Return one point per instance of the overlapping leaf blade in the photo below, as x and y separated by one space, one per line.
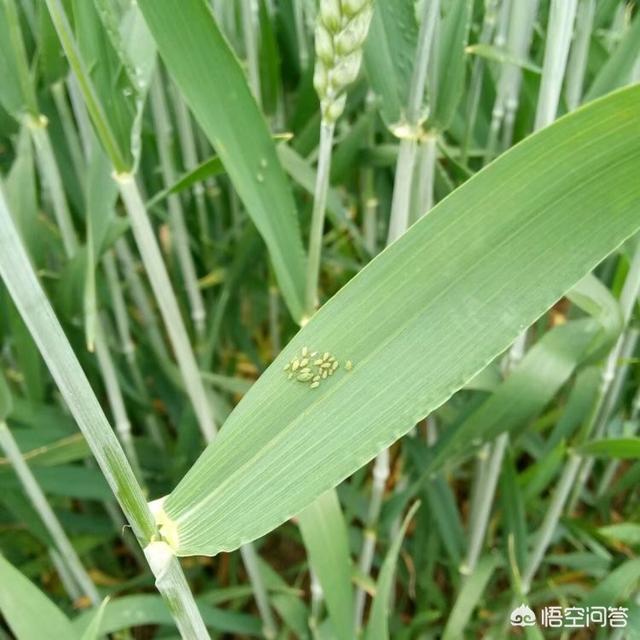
214 86
325 536
451 63
29 612
389 53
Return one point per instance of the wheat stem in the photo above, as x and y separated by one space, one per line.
561 19
73 591
251 564
426 174
521 19
190 159
401 202
341 30
180 234
301 33
365 561
126 343
140 298
577 64
51 176
318 215
251 47
475 85
550 522
165 297
485 495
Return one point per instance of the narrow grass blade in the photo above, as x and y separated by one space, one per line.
468 599
617 586
214 86
514 517
109 114
442 506
47 515
451 61
139 610
29 613
92 632
324 532
503 56
206 169
617 69
624 448
378 627
6 400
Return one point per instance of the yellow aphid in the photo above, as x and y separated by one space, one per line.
295 365
314 385
348 365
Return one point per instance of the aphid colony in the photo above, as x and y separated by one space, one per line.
313 368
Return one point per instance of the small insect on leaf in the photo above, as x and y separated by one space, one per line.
348 365
307 369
